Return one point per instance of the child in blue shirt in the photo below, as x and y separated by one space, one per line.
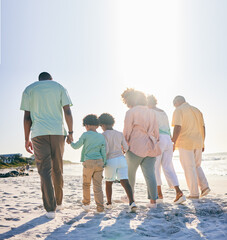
93 157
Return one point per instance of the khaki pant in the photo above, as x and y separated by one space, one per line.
195 177
93 169
49 151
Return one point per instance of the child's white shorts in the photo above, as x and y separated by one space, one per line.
116 169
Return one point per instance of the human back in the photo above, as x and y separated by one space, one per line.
140 126
115 140
163 122
46 99
191 121
93 144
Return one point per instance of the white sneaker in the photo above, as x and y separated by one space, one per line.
159 200
132 207
109 206
50 215
60 207
180 200
86 207
151 205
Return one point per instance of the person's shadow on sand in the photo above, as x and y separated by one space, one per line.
167 221
25 227
208 211
121 229
71 230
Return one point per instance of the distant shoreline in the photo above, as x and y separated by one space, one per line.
21 164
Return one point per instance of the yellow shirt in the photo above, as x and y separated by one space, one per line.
191 121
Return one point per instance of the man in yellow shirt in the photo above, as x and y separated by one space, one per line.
188 137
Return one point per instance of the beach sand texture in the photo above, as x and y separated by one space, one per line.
22 215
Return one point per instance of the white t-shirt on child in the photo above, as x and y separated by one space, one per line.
115 141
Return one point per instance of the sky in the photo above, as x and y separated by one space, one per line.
97 49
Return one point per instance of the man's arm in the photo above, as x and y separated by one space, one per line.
204 135
69 122
204 132
27 129
176 133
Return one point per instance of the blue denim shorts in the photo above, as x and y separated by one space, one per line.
116 169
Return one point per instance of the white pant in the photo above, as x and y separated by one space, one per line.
195 177
165 160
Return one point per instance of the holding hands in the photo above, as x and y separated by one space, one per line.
69 138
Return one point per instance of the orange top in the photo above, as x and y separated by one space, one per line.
191 121
141 131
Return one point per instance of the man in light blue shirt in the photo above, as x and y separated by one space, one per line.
43 102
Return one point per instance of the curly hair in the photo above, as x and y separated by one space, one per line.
132 97
151 101
106 119
91 119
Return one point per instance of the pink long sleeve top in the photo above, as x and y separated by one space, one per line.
141 131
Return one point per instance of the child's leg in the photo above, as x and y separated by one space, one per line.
97 185
125 184
109 191
87 175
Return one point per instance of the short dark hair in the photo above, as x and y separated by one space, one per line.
44 76
151 100
91 119
106 119
132 97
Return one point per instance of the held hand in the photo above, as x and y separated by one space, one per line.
203 149
28 146
69 138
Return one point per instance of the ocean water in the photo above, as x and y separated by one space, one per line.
214 164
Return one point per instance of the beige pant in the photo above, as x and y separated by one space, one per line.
93 169
49 151
195 177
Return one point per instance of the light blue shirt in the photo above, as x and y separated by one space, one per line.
44 100
94 146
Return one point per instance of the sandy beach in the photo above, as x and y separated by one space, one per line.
22 215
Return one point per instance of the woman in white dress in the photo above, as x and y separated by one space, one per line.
165 159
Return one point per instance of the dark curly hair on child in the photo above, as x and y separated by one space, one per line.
106 119
91 119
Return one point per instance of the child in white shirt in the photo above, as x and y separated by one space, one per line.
116 166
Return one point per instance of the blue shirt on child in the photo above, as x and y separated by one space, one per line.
94 146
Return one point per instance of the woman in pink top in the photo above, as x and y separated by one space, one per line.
141 133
